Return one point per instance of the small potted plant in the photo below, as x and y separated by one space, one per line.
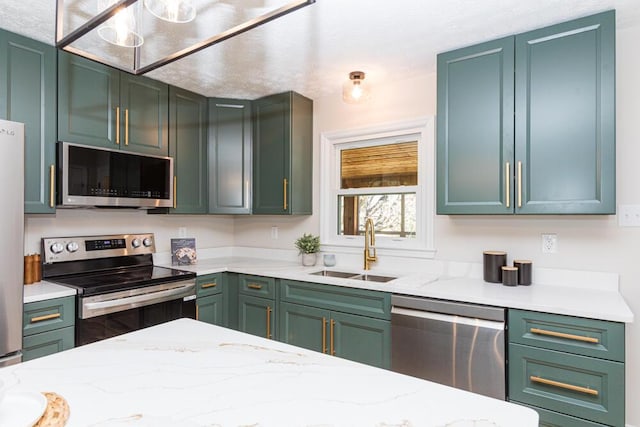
309 246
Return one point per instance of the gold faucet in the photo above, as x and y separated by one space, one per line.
369 243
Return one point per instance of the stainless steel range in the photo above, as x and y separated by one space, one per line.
119 289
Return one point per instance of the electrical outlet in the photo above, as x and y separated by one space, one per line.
182 231
629 215
549 243
274 233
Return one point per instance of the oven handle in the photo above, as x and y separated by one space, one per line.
93 309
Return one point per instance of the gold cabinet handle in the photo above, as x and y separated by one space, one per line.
565 386
582 338
324 335
126 126
507 183
519 184
197 312
175 192
209 285
45 317
331 340
254 286
52 186
284 191
269 310
117 125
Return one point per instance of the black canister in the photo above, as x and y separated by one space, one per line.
525 268
510 276
493 261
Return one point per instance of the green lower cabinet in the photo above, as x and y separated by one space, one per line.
358 338
210 309
362 339
256 316
554 419
570 384
46 343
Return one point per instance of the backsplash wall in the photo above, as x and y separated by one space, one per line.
210 231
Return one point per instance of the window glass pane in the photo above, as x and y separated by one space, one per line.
379 166
393 214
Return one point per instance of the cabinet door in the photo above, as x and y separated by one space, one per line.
306 327
144 115
230 142
256 316
188 147
88 99
46 343
28 95
361 339
475 129
565 121
210 309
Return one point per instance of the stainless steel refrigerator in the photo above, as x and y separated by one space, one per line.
11 240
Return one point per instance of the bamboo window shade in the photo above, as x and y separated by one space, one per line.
380 166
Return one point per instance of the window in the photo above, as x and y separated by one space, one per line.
383 173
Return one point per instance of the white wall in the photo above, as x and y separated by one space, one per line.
210 231
592 243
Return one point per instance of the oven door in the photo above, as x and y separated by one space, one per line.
109 315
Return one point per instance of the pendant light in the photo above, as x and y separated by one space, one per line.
355 90
121 29
176 11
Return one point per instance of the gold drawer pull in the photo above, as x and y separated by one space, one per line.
52 186
507 182
269 310
519 184
563 335
284 191
209 285
45 317
117 125
324 335
331 342
254 286
566 386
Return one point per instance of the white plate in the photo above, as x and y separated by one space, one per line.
22 409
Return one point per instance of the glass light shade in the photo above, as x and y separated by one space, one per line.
121 29
356 90
177 11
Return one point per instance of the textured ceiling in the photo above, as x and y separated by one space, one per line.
312 50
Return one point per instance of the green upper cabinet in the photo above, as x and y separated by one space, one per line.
28 95
526 124
230 139
188 147
104 107
283 155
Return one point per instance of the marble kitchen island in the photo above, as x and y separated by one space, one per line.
189 373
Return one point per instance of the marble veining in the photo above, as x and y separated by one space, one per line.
189 373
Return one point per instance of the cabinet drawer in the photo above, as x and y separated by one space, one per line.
42 316
209 284
257 285
588 337
567 383
556 419
347 300
46 343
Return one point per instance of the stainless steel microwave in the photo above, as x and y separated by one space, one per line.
92 176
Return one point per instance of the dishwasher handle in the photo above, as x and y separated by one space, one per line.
448 318
464 309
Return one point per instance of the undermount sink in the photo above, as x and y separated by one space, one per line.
356 276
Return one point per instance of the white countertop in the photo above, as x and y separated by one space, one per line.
44 290
189 373
567 295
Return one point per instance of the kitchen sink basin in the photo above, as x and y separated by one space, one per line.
356 276
331 273
373 278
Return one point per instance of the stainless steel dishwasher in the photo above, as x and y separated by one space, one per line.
456 344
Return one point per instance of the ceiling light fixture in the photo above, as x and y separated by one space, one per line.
141 39
355 90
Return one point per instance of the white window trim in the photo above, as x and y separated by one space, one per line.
422 130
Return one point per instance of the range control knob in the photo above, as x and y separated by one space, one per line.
147 242
135 243
72 247
57 247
